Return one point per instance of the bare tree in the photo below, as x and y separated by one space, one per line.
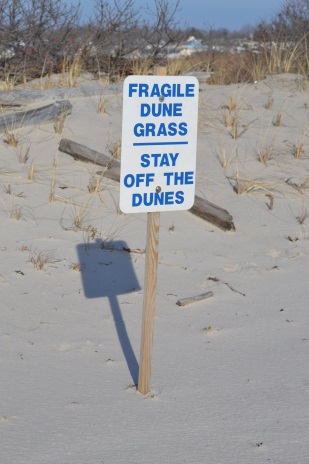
162 30
289 23
292 20
287 37
39 31
11 22
118 32
36 34
111 35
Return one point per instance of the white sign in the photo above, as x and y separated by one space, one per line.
158 154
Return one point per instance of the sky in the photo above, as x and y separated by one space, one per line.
205 14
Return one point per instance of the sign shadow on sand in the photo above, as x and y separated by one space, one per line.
107 272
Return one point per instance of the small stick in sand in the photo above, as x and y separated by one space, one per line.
193 299
271 201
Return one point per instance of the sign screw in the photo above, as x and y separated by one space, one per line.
161 98
158 189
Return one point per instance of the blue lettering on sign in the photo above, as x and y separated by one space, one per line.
140 179
152 130
158 198
132 89
161 109
159 159
165 90
179 178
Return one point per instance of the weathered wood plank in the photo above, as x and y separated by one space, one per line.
83 153
212 213
80 152
42 115
204 209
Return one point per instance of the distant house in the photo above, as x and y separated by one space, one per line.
6 53
192 45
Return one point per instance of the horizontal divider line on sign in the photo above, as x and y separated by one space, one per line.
158 143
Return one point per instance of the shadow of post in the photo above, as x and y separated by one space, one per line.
108 272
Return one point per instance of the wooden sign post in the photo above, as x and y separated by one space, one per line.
150 290
158 159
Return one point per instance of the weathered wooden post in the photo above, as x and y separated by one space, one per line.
150 290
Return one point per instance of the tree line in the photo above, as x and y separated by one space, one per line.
38 36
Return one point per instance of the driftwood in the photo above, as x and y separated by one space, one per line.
27 97
80 152
212 213
201 208
40 115
193 299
